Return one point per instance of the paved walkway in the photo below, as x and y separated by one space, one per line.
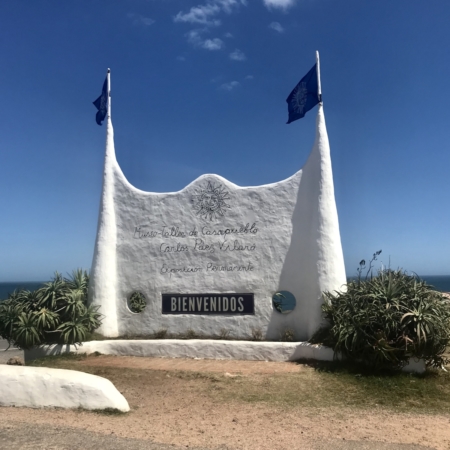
22 436
6 354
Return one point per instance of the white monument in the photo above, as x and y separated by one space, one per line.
211 257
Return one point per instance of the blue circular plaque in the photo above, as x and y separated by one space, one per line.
284 302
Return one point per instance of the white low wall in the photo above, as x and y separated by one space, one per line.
204 349
38 387
195 348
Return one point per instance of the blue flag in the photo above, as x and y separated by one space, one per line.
304 96
102 104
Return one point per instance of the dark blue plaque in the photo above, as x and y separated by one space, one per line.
208 304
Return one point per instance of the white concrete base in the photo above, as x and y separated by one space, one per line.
415 366
203 349
195 348
38 387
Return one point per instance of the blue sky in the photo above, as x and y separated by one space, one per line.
200 87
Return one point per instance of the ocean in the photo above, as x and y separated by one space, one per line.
9 287
440 283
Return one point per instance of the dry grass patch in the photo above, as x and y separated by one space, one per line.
320 386
343 387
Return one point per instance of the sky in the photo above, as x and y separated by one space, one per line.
200 87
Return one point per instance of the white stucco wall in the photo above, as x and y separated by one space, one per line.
156 243
38 387
204 348
195 348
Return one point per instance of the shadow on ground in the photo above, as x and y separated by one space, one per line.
20 436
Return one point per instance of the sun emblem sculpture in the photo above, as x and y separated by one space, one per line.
299 98
210 202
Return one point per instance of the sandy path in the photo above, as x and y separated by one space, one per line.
168 409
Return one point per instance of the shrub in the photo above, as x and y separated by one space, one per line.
257 334
224 334
386 320
56 313
287 335
190 334
160 334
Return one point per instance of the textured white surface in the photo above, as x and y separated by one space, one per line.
156 243
196 348
38 387
102 286
205 349
415 366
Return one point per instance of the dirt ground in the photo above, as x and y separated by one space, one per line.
181 403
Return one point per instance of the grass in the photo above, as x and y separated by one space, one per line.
342 385
108 412
318 385
67 361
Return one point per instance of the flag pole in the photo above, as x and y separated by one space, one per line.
109 93
319 88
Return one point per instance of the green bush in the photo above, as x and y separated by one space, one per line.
386 320
56 313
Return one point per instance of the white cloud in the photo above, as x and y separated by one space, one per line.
277 27
238 55
147 21
195 38
230 86
228 5
280 4
212 44
181 58
249 77
205 14
202 14
140 20
228 35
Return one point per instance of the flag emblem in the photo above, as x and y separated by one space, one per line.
299 98
304 96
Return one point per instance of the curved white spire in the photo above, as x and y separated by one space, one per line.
103 276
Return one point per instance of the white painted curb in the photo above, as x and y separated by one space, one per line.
203 349
195 348
38 387
415 366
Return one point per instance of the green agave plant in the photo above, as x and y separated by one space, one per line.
26 330
56 313
78 281
9 316
73 332
387 320
73 304
46 320
137 302
91 317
